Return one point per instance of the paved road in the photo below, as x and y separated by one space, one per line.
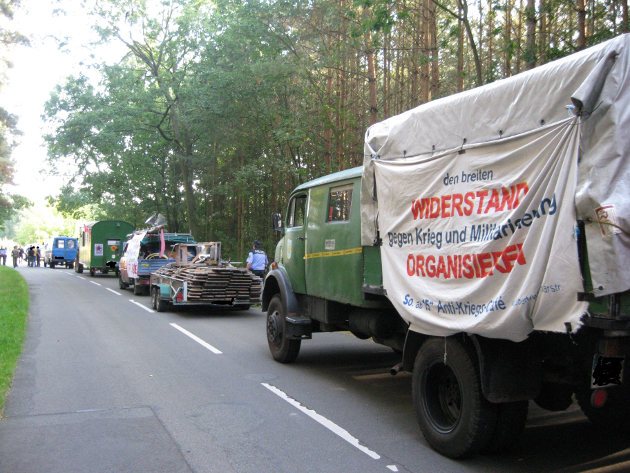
105 384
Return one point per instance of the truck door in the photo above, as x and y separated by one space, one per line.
293 252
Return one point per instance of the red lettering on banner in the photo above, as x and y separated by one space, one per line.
460 205
469 265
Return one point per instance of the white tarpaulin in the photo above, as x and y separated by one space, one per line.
132 253
486 244
589 90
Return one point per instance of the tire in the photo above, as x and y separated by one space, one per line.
92 271
612 416
158 304
282 349
137 290
511 418
455 418
52 265
122 284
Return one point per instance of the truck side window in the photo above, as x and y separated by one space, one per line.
297 211
339 202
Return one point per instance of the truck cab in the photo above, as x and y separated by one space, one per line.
322 279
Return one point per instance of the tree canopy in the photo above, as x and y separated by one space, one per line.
220 108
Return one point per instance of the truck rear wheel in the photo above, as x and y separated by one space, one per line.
454 417
282 349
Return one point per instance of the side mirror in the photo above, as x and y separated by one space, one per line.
276 222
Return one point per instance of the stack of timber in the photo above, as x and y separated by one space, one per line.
210 283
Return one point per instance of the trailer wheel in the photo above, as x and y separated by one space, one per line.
614 414
455 418
78 268
159 304
511 418
137 289
282 349
52 265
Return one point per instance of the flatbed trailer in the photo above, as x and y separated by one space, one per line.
203 281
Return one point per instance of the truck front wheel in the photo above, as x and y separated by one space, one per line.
455 418
282 349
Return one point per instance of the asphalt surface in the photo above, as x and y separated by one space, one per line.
105 384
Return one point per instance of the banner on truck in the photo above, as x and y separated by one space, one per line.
133 253
484 241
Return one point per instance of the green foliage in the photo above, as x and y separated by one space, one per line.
220 108
13 318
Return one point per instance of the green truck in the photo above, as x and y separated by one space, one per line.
485 239
100 246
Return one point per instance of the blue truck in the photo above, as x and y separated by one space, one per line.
60 250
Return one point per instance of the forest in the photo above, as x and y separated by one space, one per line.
220 108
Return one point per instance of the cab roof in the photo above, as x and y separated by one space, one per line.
335 177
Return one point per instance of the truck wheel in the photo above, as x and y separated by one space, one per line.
159 304
52 265
79 268
511 418
122 284
455 418
137 289
282 349
614 414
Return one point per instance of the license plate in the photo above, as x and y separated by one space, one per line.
607 371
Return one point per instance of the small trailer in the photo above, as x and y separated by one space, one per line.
199 277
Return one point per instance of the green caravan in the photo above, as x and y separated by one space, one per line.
485 240
100 246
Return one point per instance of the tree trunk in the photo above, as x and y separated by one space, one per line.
530 19
581 24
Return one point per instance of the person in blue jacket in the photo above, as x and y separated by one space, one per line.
257 260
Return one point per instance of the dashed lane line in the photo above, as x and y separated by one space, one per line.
142 306
329 424
201 342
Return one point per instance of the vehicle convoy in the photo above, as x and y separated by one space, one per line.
199 277
60 250
486 238
144 252
100 246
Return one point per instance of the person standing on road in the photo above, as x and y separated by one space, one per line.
15 254
257 260
3 255
31 256
38 255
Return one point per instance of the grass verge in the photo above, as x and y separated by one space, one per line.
13 315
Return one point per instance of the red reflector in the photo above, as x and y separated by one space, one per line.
274 265
599 398
180 297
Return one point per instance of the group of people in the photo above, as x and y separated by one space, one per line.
32 255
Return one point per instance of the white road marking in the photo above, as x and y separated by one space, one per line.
214 350
81 277
115 292
95 283
392 467
330 425
141 306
